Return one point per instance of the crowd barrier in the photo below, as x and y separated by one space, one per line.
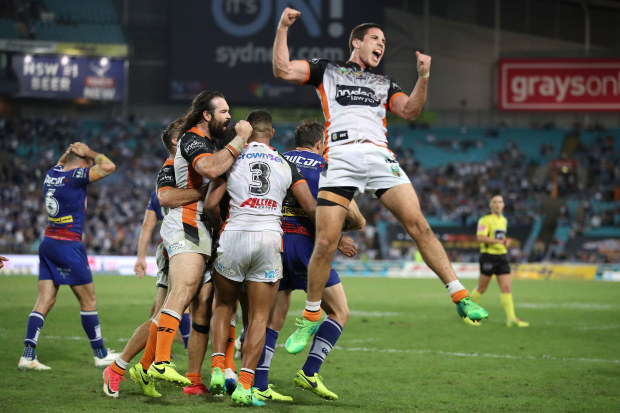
123 265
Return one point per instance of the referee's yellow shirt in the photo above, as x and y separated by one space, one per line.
496 227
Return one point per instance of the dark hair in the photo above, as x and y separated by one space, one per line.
261 121
308 133
172 131
203 101
360 31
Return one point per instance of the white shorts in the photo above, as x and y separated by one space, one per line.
250 255
365 166
162 266
177 241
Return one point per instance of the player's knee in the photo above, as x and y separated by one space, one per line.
200 328
325 247
342 315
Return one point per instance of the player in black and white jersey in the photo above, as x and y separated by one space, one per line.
184 230
355 101
250 246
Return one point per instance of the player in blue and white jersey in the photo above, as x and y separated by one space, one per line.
62 256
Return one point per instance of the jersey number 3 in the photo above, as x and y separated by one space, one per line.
260 178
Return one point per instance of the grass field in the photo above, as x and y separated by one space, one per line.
404 349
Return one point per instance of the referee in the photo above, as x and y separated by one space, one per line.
491 233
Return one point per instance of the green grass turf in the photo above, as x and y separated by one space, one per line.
404 349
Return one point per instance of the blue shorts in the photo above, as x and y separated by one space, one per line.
63 262
297 252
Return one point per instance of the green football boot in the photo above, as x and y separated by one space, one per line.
314 384
298 340
165 370
243 397
270 394
140 377
467 307
217 383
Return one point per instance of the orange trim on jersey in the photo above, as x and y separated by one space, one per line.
198 157
308 76
169 162
164 187
197 132
385 122
298 182
392 98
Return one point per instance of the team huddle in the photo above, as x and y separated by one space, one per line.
244 224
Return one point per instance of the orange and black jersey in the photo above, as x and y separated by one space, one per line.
192 146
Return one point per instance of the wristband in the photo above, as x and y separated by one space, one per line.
232 151
423 76
236 146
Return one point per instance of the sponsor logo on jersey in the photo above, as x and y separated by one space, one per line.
259 203
270 275
61 220
59 181
264 156
293 212
195 146
78 173
339 136
356 95
303 161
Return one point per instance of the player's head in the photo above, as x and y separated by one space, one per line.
496 204
171 134
262 124
75 160
367 44
311 135
208 107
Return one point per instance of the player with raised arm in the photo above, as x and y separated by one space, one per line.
355 101
167 196
298 245
184 230
250 247
62 256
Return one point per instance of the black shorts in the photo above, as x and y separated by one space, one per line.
494 264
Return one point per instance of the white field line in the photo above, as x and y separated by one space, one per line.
474 355
420 351
575 306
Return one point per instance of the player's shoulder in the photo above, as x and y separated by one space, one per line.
192 143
